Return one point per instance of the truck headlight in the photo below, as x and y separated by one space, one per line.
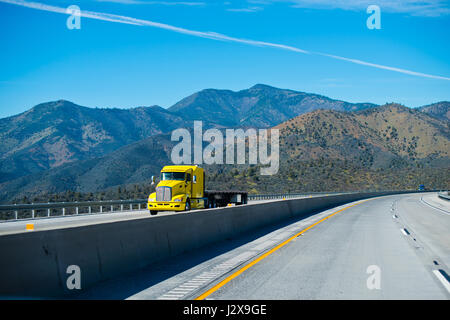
178 200
151 199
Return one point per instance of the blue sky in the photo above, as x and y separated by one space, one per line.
222 44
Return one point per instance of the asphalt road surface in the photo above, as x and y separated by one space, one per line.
391 247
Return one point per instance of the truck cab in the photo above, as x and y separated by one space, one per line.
181 188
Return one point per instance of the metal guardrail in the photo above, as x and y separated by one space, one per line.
444 195
289 195
52 209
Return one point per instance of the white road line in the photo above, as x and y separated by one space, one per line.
226 264
177 293
212 273
224 268
179 290
168 295
182 293
442 279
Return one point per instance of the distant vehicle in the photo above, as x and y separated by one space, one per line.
421 187
182 188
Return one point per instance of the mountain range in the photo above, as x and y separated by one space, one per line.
60 146
260 106
440 110
373 137
54 133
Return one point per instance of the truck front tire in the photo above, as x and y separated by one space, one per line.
153 212
188 205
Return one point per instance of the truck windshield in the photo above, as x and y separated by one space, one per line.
172 176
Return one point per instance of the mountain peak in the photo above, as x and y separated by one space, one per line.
261 86
54 104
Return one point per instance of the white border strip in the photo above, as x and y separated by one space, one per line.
442 279
431 206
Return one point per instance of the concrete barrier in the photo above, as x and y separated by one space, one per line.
444 195
34 264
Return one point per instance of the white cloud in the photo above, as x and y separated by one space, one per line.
249 9
164 3
411 7
210 35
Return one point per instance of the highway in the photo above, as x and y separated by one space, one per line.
71 221
390 247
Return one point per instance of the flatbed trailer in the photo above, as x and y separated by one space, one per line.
223 198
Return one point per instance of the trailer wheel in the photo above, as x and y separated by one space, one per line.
153 212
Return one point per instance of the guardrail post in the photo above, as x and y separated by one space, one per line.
64 211
121 207
48 212
90 209
32 213
112 208
139 206
101 209
76 210
131 206
16 214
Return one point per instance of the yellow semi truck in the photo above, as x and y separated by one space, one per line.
182 188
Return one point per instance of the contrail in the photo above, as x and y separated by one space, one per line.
379 66
129 20
209 35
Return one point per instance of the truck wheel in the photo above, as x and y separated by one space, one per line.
188 205
153 212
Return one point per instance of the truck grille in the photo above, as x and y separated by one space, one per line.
163 193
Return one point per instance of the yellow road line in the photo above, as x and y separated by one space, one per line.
268 253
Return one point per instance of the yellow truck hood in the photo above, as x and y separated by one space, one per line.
178 187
